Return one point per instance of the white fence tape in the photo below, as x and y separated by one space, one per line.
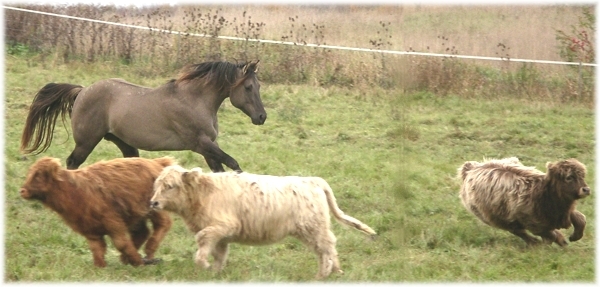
308 44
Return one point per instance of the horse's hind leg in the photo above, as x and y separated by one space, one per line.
86 140
127 150
80 153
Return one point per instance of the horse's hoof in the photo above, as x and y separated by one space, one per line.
153 261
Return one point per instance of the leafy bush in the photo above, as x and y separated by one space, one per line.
17 49
577 45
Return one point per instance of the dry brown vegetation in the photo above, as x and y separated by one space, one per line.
528 32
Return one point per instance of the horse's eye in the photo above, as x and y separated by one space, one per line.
248 88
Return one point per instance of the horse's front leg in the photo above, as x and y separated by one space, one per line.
214 156
214 165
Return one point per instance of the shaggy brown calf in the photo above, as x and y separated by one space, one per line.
106 198
221 208
507 195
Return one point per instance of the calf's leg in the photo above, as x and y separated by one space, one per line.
98 247
328 256
522 233
207 239
129 254
161 223
553 236
322 242
518 229
559 238
578 220
139 234
220 254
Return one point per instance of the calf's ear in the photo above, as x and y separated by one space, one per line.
165 161
551 170
186 177
194 177
50 168
550 166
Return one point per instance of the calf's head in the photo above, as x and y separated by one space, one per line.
41 179
567 177
170 189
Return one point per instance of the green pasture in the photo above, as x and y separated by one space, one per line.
390 156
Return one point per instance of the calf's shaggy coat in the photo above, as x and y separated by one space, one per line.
508 195
106 198
221 208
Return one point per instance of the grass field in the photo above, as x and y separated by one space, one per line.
390 157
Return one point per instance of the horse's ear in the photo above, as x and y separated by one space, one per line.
253 67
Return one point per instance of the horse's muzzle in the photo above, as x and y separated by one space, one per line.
260 119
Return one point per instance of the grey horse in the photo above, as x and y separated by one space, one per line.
179 115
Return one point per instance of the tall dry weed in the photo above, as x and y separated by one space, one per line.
410 28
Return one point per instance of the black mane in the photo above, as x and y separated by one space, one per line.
221 74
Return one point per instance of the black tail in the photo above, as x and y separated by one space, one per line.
50 102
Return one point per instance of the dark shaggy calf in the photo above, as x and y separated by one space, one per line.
507 195
106 198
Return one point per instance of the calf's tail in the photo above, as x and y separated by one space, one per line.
165 161
342 217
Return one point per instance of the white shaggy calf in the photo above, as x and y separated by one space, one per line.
226 207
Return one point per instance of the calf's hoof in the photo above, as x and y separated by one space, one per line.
562 243
201 261
575 237
535 242
152 261
132 261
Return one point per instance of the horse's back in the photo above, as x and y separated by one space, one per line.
103 91
121 108
101 97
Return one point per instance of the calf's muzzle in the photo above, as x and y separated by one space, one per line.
154 204
585 191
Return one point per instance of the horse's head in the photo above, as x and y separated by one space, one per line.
245 95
